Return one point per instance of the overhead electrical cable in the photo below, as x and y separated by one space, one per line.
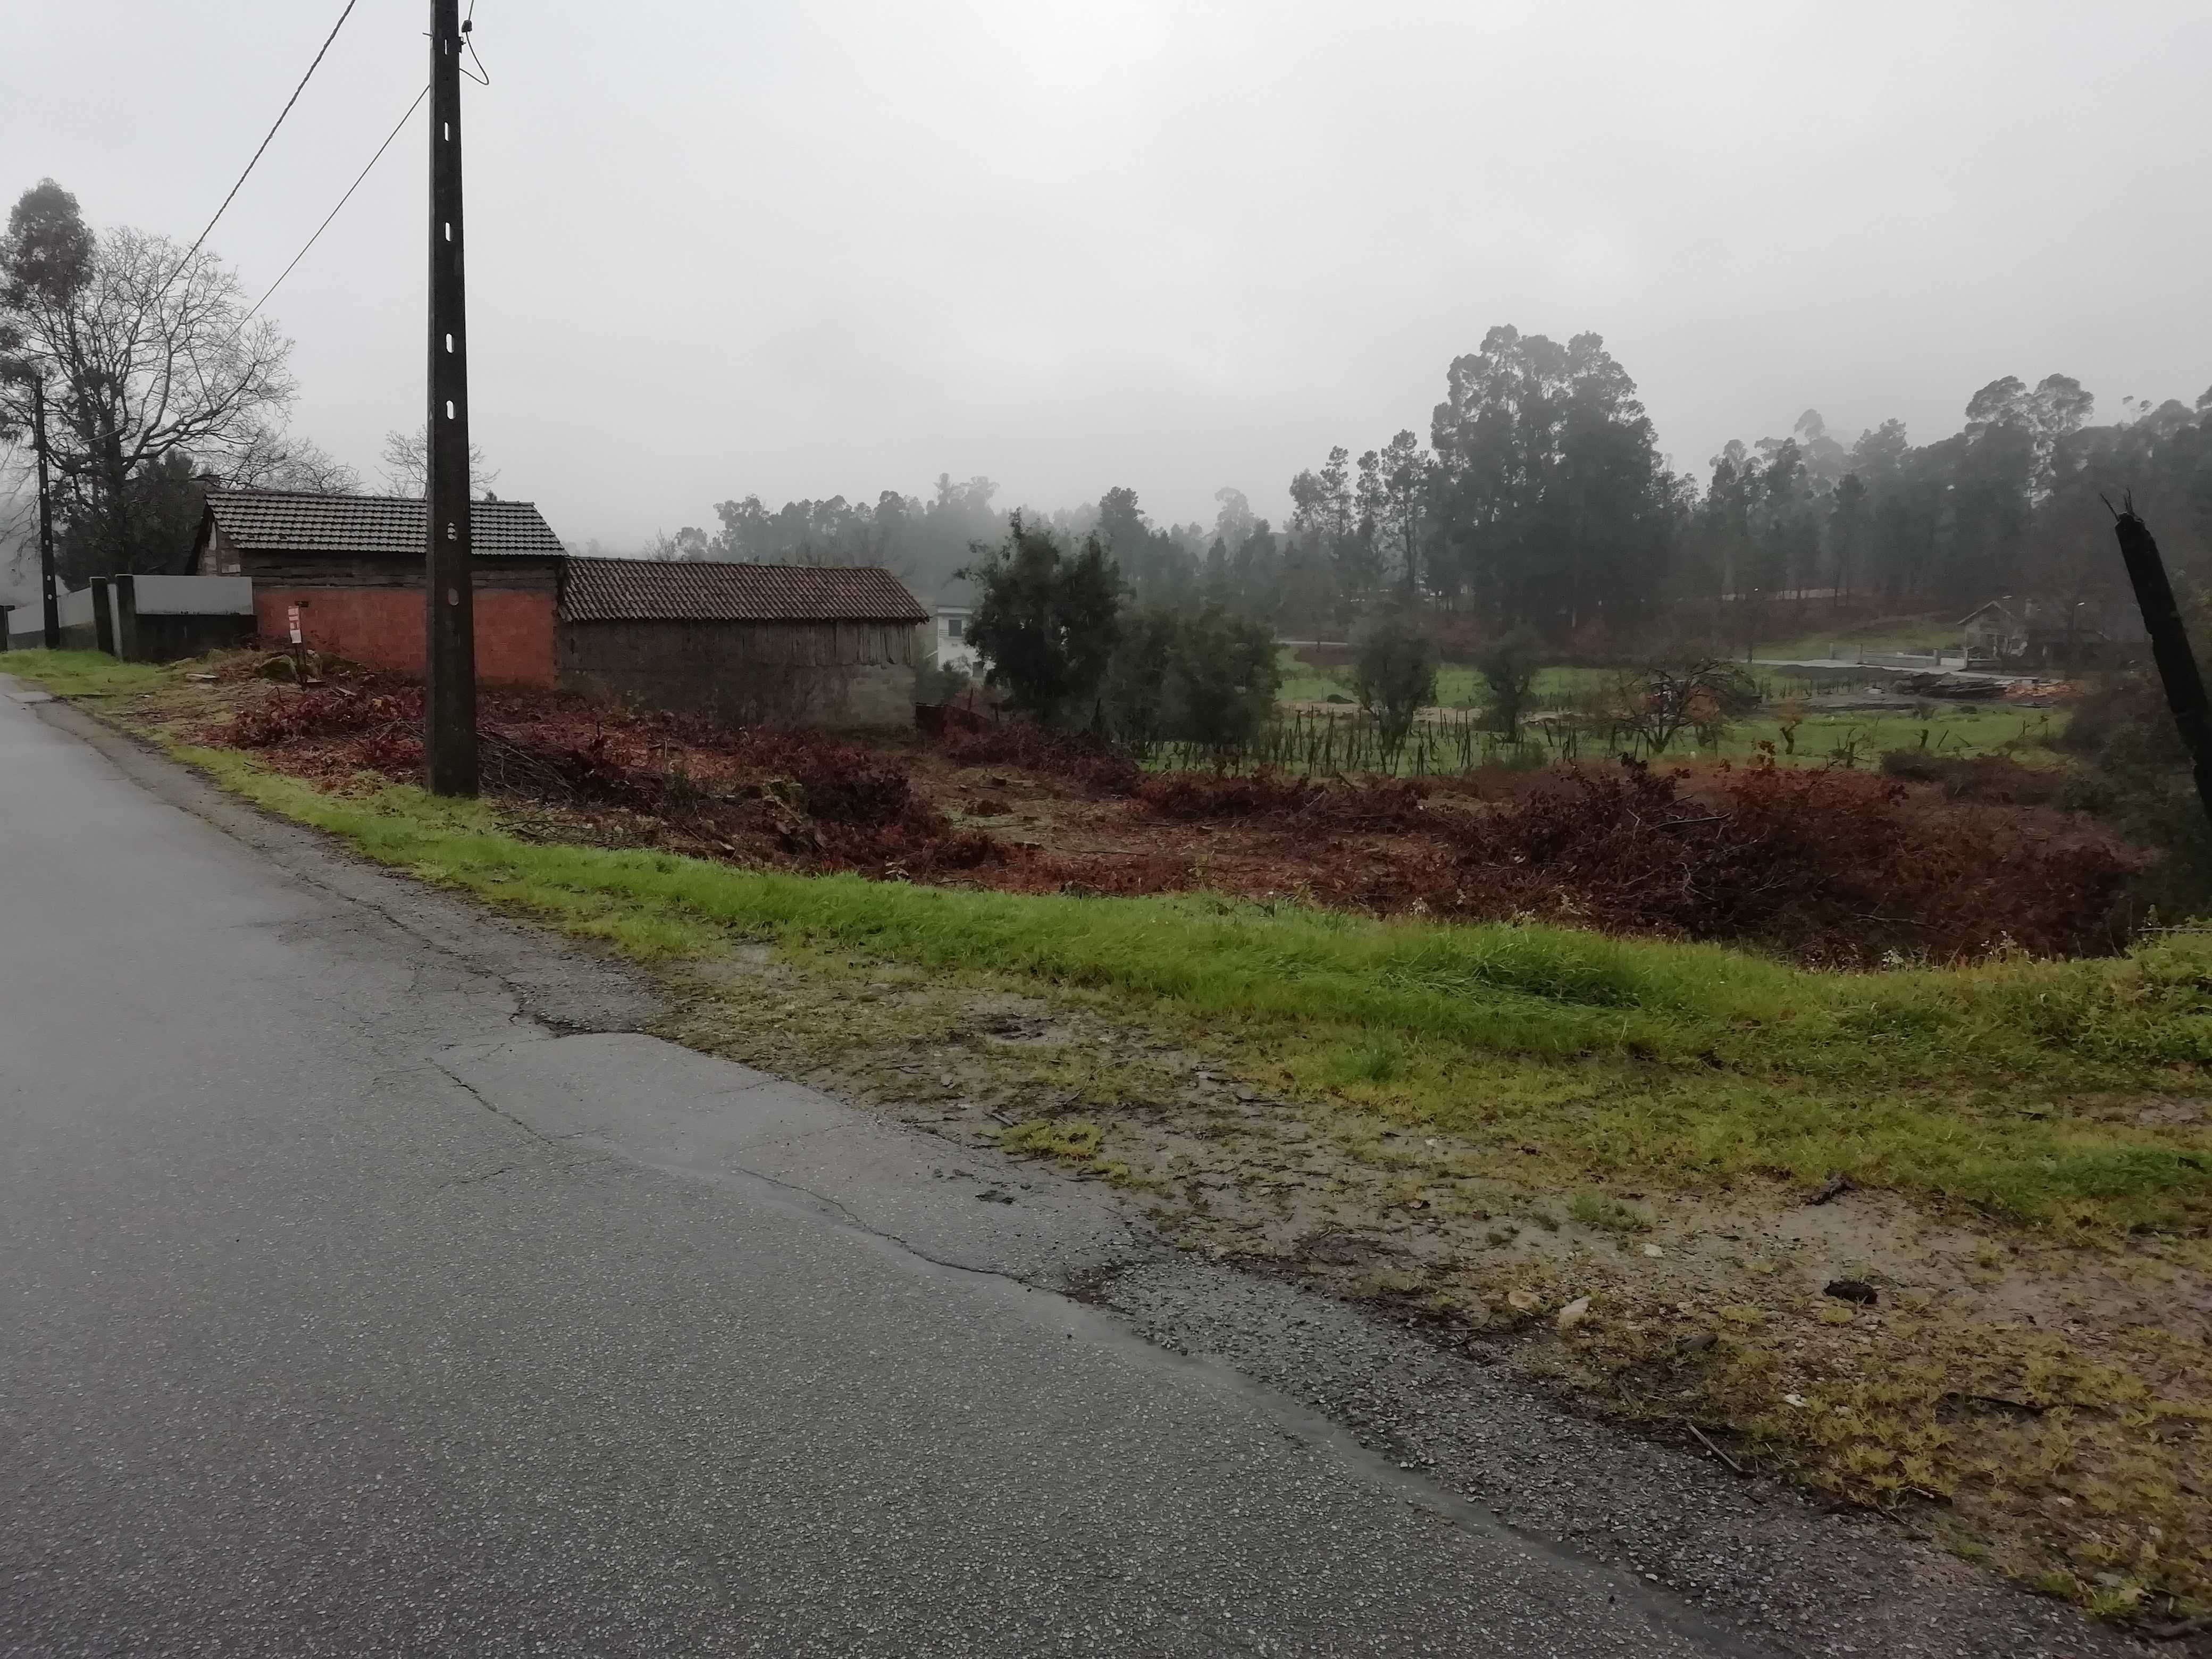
258 154
333 213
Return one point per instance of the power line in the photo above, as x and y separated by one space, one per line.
482 76
333 213
251 164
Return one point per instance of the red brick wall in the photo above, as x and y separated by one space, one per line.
382 627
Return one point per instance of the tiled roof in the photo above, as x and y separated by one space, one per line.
652 590
372 527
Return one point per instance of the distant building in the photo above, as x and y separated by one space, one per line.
954 647
1995 632
2056 634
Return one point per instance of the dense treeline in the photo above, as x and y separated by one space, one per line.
2013 503
928 540
1540 503
1543 503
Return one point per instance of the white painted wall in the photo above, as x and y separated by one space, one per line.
194 596
953 650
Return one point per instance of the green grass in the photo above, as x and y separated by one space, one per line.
1302 683
1694 1063
1458 686
1951 732
1500 987
82 673
1917 633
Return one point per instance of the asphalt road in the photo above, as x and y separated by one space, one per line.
359 1297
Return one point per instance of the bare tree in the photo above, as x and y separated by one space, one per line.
18 519
146 355
300 464
687 546
406 462
1661 700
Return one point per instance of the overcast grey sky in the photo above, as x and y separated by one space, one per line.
809 246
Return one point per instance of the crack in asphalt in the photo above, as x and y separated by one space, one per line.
1302 1426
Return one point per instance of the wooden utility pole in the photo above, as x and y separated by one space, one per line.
449 681
48 589
2169 645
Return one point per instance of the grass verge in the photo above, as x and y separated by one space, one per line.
1633 1059
85 673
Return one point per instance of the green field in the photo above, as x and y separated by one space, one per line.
1962 734
1914 633
1953 730
1458 686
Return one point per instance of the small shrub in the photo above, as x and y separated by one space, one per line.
1660 701
1136 694
1509 665
939 684
1224 672
2130 713
1997 779
1393 673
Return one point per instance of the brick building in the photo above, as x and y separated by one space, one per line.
353 566
784 645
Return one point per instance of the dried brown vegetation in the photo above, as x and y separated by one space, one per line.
1830 867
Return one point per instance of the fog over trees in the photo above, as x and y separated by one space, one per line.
1537 503
1540 504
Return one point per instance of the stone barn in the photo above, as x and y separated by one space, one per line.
835 645
353 564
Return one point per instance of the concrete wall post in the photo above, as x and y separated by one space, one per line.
123 605
103 616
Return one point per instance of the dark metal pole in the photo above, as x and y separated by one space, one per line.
449 683
2169 646
48 589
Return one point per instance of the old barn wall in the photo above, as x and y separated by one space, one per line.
370 612
841 676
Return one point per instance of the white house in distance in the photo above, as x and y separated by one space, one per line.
953 648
